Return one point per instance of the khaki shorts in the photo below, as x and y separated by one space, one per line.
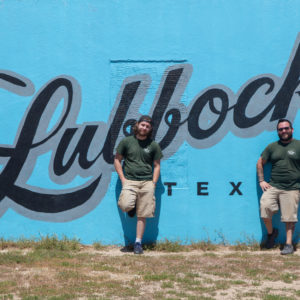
139 194
273 199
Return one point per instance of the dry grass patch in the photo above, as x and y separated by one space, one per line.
68 270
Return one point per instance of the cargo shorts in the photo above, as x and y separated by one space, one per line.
140 194
273 199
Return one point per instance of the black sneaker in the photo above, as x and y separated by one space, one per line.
271 239
287 249
138 249
132 212
127 249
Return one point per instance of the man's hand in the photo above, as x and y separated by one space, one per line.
264 185
156 172
123 181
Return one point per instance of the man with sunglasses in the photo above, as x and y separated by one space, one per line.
283 189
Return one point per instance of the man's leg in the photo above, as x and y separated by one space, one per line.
128 196
289 227
268 224
145 208
268 207
140 229
272 233
288 247
289 211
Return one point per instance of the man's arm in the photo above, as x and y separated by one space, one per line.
260 173
118 166
156 171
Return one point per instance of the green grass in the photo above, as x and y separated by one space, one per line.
288 277
99 246
277 297
21 243
44 242
53 242
166 246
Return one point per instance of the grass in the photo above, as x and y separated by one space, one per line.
49 268
99 246
44 242
177 246
166 246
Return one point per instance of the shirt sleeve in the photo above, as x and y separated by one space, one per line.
158 153
121 148
266 154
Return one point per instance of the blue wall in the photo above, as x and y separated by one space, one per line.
65 67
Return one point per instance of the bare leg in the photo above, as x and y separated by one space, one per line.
140 227
269 226
289 227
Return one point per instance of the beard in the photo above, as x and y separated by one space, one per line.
143 133
284 137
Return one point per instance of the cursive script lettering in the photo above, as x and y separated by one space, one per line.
87 150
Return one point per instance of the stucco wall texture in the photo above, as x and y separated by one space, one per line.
74 75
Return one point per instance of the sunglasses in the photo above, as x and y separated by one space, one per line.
283 128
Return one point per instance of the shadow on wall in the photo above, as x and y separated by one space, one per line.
129 224
276 218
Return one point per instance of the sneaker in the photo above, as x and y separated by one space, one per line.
138 249
132 212
127 249
287 249
271 238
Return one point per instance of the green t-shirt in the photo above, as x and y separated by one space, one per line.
285 160
139 156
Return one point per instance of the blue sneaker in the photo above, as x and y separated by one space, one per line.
138 249
288 249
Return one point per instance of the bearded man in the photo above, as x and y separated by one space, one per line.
139 175
283 189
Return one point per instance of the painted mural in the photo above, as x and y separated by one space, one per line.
201 130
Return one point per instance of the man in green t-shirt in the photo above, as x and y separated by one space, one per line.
283 189
139 175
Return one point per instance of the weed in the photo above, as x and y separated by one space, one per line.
98 246
167 285
203 245
52 242
249 243
288 278
276 297
253 272
223 241
238 282
249 294
62 297
13 257
21 243
166 246
43 254
159 277
7 297
240 246
104 267
209 254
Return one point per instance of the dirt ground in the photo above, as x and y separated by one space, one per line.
112 274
